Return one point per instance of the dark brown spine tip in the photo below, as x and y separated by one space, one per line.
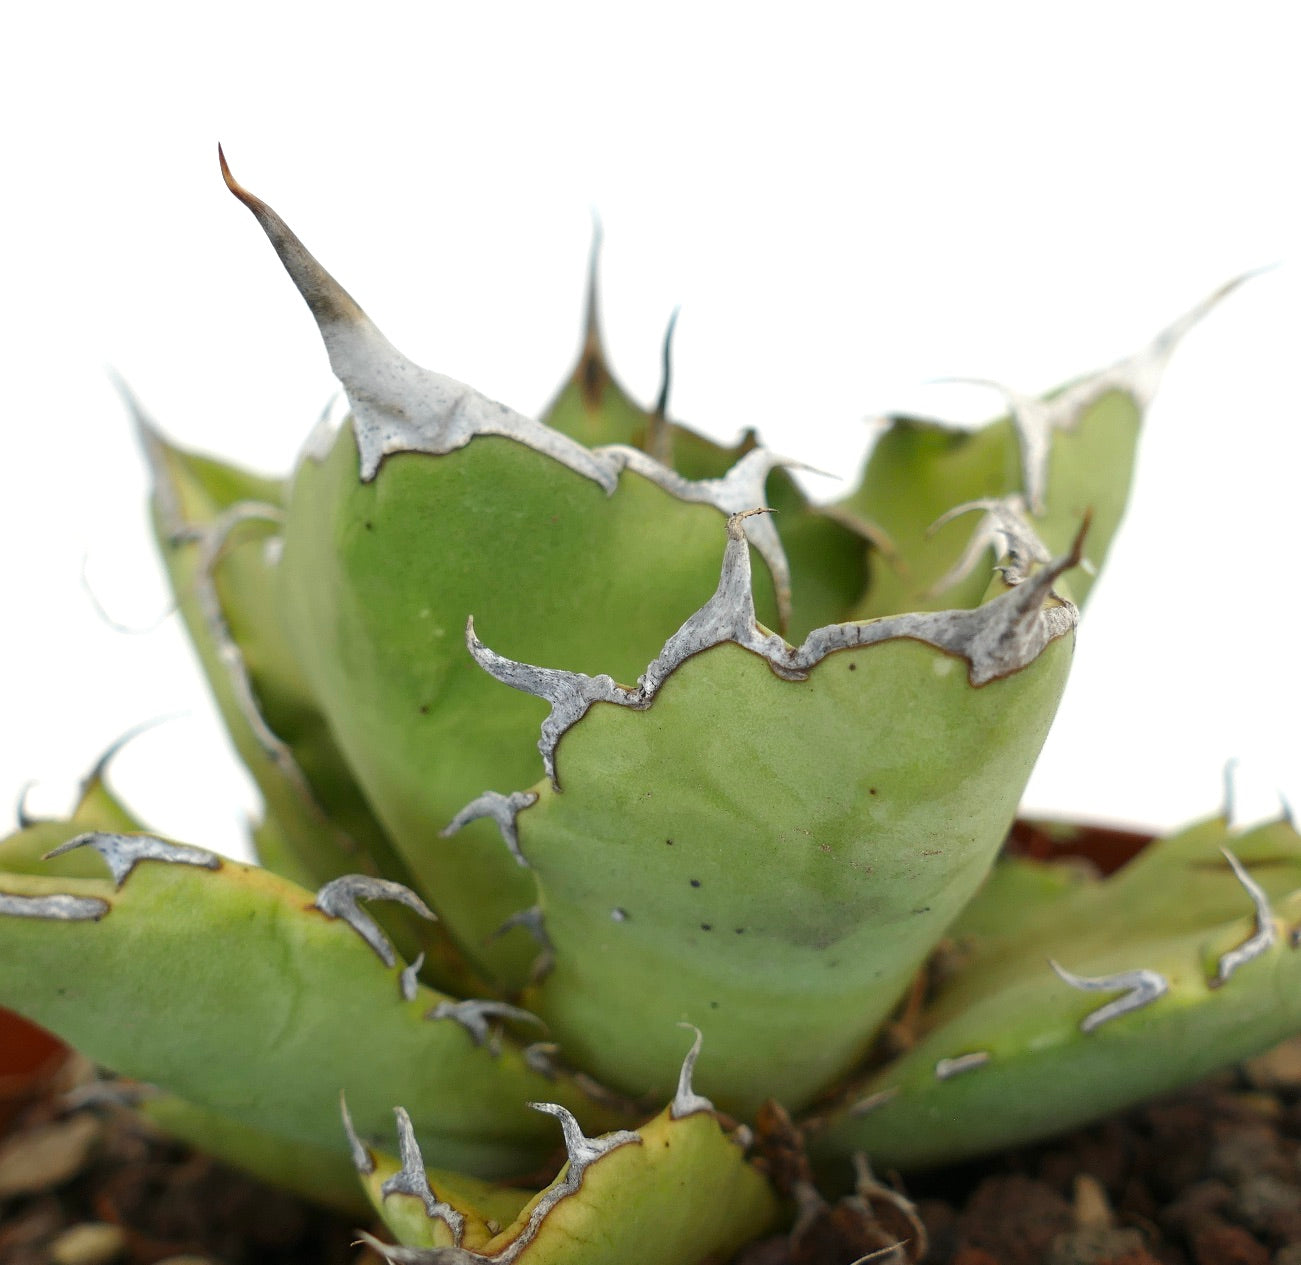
254 203
231 183
1076 554
666 362
659 434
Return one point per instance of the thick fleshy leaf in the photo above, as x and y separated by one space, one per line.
324 1175
530 550
919 470
827 557
772 859
677 1189
434 504
1066 455
97 808
235 990
593 407
218 529
480 1209
1184 961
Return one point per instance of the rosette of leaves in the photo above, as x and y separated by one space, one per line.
632 824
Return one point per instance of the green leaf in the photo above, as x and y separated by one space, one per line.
1174 911
217 527
828 557
919 470
772 859
433 505
229 987
97 808
323 1175
1067 455
592 406
677 1189
218 530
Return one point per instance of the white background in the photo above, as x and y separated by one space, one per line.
846 203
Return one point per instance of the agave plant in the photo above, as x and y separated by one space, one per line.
633 824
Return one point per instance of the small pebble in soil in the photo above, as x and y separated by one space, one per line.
46 1156
90 1243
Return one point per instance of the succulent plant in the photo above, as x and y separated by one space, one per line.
633 823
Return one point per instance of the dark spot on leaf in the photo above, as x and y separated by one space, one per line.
669 842
853 667
740 931
713 1005
695 882
925 909
871 790
706 926
424 709
369 525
